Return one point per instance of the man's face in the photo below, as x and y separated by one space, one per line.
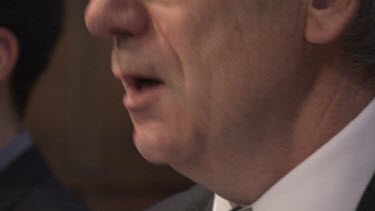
204 78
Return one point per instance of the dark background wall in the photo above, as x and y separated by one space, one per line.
77 118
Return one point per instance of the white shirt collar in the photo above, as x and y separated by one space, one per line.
221 204
332 179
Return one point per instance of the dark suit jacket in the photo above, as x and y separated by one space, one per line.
28 185
197 198
200 199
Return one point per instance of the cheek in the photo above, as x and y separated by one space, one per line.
205 50
174 136
186 123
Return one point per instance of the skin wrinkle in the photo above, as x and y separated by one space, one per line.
359 96
158 28
251 83
330 106
314 128
211 170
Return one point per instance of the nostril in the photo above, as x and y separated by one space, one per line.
119 37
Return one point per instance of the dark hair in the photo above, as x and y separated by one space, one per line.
37 25
360 40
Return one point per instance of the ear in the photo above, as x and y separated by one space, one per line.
9 50
327 19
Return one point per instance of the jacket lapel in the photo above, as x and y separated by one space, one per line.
367 202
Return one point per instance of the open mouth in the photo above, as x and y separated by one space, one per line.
142 83
141 92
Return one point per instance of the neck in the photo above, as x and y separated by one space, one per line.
335 97
9 122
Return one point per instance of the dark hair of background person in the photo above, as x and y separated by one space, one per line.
360 39
37 26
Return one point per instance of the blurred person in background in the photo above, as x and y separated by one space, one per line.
29 31
266 104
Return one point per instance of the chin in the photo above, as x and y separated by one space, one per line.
161 147
154 147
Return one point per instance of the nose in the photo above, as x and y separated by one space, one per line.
108 18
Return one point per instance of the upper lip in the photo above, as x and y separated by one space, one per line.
135 75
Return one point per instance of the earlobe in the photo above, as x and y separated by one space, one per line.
8 53
327 19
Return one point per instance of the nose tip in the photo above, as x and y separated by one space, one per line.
105 18
94 18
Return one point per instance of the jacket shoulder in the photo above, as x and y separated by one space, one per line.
197 198
27 184
49 195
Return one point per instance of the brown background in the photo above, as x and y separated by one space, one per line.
77 118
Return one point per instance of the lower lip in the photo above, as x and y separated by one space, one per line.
136 100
